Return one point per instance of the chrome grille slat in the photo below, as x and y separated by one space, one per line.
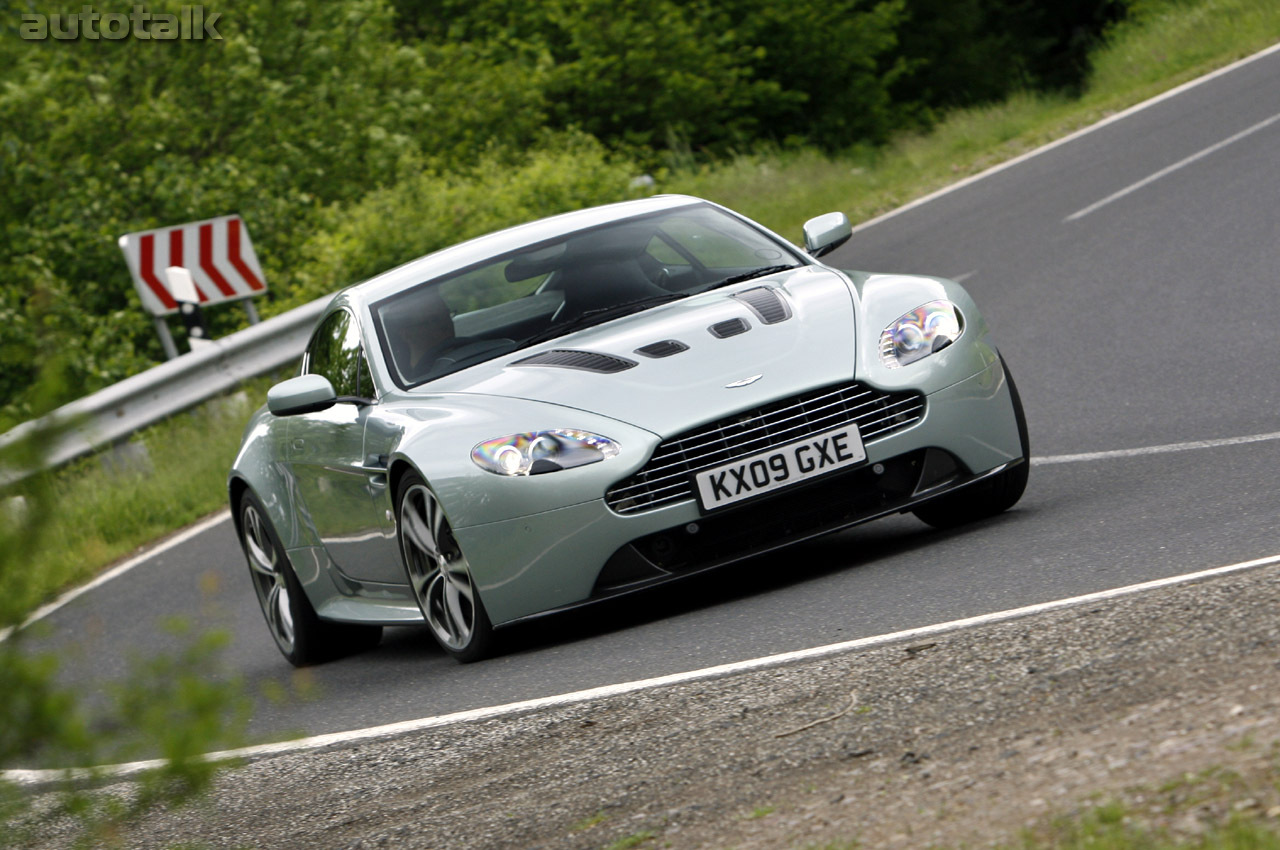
702 432
664 480
804 414
749 446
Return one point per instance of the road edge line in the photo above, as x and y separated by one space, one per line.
120 569
121 771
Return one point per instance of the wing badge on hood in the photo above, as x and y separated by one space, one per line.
744 382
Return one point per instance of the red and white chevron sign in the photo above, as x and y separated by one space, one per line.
216 251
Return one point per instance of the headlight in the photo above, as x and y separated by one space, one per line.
536 452
920 333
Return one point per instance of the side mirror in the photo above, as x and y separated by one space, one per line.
303 394
824 234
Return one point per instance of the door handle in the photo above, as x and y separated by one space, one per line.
299 443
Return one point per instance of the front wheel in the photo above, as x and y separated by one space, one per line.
988 498
439 574
301 636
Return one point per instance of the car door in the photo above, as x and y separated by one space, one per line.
339 493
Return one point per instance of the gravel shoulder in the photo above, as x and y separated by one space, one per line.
1168 701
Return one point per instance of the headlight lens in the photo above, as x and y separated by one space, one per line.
536 452
916 335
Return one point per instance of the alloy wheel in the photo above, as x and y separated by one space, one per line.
438 572
265 565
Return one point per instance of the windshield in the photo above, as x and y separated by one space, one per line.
552 288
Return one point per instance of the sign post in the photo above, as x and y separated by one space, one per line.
183 289
217 255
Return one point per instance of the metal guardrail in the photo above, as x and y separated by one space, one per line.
117 411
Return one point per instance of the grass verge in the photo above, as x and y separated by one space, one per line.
104 512
1216 809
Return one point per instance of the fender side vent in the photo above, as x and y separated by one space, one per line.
765 303
587 361
666 348
729 327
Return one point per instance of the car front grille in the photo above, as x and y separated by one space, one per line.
665 479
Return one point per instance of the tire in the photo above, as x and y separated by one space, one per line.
990 497
439 574
301 636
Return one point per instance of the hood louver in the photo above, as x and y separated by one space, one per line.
587 361
766 304
729 327
666 348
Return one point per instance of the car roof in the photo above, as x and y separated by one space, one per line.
477 250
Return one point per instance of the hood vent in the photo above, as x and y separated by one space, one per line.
587 361
729 327
765 303
666 348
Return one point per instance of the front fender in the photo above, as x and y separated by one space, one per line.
884 298
259 468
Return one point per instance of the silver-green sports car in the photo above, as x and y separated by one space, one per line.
598 402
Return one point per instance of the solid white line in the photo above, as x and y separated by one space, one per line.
1111 119
1165 172
120 569
754 664
1155 450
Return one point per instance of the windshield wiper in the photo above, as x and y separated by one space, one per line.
754 273
601 314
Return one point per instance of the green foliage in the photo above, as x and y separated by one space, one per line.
835 64
963 52
300 106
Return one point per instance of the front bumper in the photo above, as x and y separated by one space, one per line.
561 558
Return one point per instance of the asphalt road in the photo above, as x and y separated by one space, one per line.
1150 320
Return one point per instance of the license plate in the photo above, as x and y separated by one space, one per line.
781 467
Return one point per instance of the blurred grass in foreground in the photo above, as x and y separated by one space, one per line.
102 515
174 706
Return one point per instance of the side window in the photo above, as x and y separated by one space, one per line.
335 353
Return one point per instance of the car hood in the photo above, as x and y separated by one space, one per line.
715 377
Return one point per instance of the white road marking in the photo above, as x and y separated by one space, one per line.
1165 172
1167 448
29 777
177 540
961 278
1111 119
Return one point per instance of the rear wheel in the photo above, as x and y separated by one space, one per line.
440 575
302 637
988 498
